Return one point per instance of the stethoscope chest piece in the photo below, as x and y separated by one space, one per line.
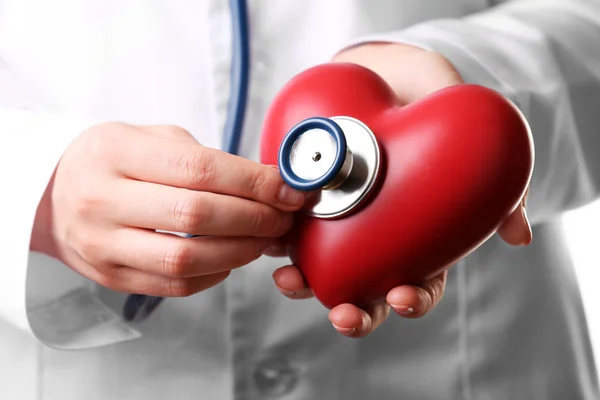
336 159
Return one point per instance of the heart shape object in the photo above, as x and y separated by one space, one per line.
454 165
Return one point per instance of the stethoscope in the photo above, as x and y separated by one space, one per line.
343 145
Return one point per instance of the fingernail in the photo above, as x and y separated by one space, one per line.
303 293
403 310
344 331
295 294
291 197
288 293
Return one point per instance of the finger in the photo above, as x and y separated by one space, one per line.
410 83
379 313
153 206
152 158
416 301
170 255
435 74
516 230
352 321
130 280
170 132
277 249
290 283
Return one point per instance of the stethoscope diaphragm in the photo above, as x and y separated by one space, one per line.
338 158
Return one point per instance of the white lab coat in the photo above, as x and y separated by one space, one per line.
511 325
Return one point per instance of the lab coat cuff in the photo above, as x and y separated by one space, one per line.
39 295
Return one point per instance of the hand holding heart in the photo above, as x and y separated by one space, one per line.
412 74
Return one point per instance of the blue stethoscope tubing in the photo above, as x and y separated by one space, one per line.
138 307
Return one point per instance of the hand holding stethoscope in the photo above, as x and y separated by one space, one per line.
107 231
106 201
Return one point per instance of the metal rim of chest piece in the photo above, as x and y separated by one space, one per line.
336 159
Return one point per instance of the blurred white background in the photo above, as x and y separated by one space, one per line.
582 227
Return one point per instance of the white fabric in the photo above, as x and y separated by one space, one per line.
511 325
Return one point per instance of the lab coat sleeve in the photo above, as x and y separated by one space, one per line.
545 56
40 296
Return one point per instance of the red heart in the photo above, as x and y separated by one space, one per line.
455 165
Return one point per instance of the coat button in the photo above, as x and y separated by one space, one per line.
275 377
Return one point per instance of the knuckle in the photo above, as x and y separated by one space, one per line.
257 220
190 213
425 302
246 253
242 257
282 222
100 140
198 168
89 246
177 262
109 278
96 144
86 203
439 289
177 131
270 222
434 292
106 281
260 185
178 288
430 289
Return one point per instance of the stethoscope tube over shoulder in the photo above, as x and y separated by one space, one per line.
139 307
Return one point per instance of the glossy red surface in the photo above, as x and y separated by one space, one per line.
455 165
